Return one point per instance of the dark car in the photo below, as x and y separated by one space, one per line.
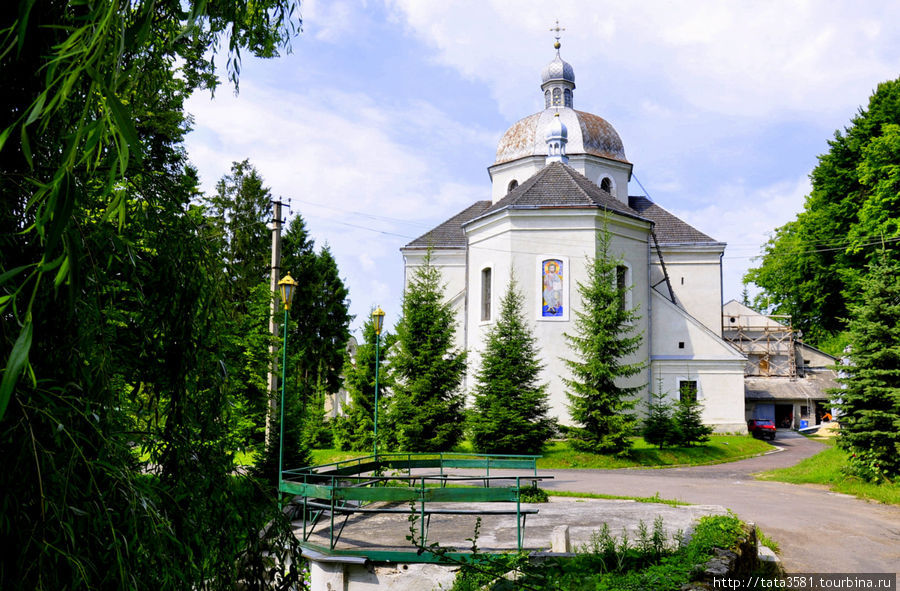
762 428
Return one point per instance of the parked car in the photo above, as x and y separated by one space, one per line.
762 428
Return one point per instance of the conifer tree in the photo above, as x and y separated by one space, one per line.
604 337
426 369
869 402
687 422
510 408
658 425
356 430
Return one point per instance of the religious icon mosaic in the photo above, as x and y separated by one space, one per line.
552 289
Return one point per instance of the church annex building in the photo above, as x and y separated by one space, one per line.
560 175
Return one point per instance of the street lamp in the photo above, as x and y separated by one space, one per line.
287 286
377 323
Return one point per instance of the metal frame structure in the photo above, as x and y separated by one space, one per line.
351 487
771 343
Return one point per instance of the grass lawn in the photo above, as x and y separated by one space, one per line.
719 449
826 468
558 455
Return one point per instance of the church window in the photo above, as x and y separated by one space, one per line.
557 97
606 184
687 390
512 185
486 294
547 99
552 288
568 98
622 281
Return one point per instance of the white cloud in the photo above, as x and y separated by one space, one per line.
751 59
745 217
357 171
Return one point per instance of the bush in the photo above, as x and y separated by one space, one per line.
533 494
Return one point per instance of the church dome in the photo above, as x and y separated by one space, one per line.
558 69
587 134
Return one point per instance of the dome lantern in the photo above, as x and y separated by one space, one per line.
556 137
558 79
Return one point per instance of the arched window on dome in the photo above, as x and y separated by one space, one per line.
512 185
608 185
568 98
557 97
547 99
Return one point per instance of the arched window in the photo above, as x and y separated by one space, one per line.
547 99
568 98
557 97
623 286
607 184
486 294
512 185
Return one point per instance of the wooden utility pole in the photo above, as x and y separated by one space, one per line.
272 407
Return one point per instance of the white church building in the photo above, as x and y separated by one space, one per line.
559 176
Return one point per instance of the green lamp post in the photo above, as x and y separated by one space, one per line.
377 323
287 286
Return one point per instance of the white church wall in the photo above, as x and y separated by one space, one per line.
519 170
452 264
683 348
695 275
519 240
720 388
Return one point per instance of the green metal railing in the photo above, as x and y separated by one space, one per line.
329 488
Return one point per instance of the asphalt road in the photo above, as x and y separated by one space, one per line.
818 531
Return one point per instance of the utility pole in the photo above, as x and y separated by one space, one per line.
272 407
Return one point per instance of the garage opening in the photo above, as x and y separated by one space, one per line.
784 416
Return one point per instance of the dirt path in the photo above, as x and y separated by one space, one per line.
819 531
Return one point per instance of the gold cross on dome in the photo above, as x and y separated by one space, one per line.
557 29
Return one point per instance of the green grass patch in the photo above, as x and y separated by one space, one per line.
827 468
559 455
719 449
580 495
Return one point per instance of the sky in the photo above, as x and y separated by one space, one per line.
381 122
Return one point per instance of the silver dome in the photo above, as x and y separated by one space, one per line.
558 69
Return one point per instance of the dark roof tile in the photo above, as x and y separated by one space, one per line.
558 185
450 234
669 229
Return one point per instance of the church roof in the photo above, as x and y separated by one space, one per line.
588 134
558 185
669 229
450 233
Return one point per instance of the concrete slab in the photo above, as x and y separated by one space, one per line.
498 533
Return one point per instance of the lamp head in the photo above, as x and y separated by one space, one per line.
287 286
378 320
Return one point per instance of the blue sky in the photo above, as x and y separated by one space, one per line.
383 120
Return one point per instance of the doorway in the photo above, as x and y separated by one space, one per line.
784 416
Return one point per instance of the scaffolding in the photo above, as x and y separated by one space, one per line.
766 340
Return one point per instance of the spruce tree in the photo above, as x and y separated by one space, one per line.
687 422
426 369
356 430
658 426
869 401
604 337
509 413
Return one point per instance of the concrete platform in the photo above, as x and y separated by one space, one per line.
498 533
